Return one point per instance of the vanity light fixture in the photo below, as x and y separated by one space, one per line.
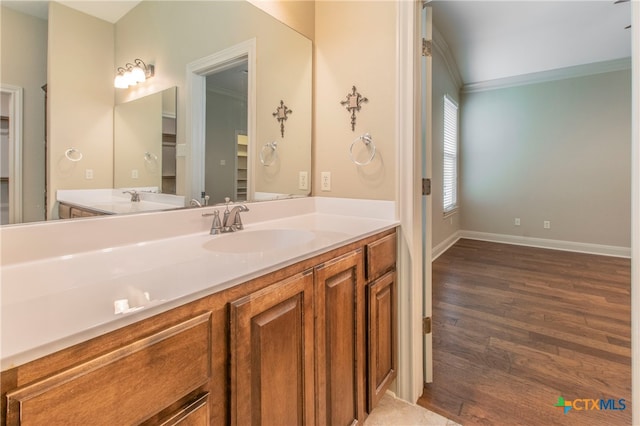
132 74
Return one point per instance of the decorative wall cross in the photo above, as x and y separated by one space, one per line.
353 103
281 115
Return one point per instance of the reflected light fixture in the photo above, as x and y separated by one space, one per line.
132 74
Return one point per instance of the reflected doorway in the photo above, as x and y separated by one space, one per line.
226 139
216 114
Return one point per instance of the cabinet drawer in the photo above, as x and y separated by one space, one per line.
194 414
381 256
125 386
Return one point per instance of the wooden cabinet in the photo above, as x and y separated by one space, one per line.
382 337
124 386
313 343
272 374
381 318
195 413
67 211
340 357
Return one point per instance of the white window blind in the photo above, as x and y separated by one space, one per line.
450 164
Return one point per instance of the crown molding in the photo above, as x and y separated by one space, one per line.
443 48
551 75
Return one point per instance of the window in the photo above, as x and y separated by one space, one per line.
450 163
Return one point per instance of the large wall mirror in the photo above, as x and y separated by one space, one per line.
143 136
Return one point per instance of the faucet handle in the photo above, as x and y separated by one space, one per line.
216 225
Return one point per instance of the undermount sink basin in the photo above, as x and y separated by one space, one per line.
259 240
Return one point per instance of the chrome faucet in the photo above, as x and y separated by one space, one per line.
232 221
135 197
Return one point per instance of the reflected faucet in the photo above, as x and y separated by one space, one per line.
135 197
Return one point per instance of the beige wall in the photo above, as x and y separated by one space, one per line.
80 75
299 15
355 44
24 64
138 130
556 151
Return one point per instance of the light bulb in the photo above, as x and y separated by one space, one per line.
131 81
137 74
120 82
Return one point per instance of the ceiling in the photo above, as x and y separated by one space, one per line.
110 11
488 40
498 39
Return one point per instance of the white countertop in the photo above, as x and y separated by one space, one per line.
58 299
116 201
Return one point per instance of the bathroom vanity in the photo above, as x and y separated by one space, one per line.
302 331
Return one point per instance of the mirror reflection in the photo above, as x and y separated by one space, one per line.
71 54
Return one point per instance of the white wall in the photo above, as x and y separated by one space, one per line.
557 151
24 64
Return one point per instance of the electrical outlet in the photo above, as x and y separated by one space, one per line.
546 224
88 174
134 174
516 222
325 181
303 181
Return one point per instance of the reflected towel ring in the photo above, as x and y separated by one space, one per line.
368 143
273 153
148 157
73 154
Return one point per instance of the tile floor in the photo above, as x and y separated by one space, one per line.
395 412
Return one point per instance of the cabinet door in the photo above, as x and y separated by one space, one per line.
382 336
340 315
272 376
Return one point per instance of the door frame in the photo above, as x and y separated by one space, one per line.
635 210
197 72
409 383
15 151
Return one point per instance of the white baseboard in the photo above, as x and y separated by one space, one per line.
598 249
444 246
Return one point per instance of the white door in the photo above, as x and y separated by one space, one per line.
426 200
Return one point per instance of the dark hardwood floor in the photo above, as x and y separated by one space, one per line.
515 328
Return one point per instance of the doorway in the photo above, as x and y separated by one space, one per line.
11 155
210 80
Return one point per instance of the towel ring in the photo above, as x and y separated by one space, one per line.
149 157
368 142
73 154
269 148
